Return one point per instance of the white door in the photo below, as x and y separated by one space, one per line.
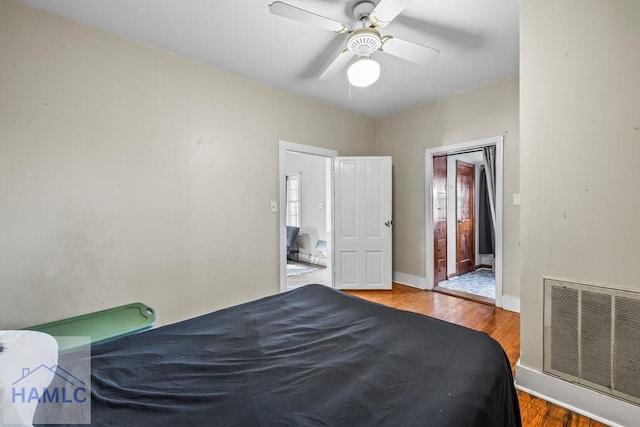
362 222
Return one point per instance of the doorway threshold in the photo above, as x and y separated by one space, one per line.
465 295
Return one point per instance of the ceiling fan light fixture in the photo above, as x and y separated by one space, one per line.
364 72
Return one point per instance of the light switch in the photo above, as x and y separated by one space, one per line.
516 199
274 206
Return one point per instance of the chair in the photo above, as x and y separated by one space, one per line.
321 251
292 245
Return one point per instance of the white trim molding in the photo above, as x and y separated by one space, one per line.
602 408
409 280
511 303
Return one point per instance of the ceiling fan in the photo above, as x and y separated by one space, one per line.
362 42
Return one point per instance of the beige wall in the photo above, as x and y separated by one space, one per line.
131 174
580 150
478 113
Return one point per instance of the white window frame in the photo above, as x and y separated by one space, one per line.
292 219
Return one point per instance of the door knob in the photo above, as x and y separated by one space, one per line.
388 223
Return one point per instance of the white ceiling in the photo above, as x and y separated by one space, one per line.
477 39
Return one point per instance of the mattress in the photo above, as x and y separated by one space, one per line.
311 356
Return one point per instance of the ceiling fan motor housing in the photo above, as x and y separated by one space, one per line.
363 9
364 41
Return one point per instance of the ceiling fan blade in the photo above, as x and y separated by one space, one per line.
410 51
386 11
337 64
286 10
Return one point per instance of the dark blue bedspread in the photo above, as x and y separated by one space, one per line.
312 356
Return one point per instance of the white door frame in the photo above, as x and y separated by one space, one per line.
429 154
283 147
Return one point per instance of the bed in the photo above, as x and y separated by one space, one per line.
311 356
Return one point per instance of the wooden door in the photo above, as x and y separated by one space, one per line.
362 222
465 230
440 219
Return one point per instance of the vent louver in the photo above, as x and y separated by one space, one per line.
592 337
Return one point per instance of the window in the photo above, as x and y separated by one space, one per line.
293 200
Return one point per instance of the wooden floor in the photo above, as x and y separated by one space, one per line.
502 325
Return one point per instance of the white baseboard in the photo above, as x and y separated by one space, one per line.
310 259
590 403
511 303
409 280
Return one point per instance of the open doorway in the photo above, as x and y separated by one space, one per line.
305 215
463 242
464 251
306 218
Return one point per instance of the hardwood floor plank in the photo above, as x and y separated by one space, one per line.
577 420
557 416
536 414
501 325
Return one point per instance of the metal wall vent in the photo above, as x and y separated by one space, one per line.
592 337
